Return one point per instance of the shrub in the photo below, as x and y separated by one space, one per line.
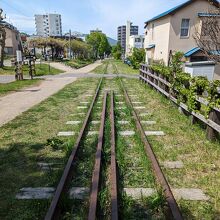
137 57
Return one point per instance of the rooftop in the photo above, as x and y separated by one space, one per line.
8 25
173 10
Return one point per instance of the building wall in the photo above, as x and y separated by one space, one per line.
123 37
48 25
157 32
12 42
55 25
177 43
40 25
167 31
135 41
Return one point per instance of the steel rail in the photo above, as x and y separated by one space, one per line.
173 206
97 168
54 211
114 189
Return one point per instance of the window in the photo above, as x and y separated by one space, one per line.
152 31
184 32
137 40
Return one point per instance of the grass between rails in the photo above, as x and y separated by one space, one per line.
135 172
41 70
101 69
77 63
83 167
104 198
24 144
17 85
108 66
187 143
124 68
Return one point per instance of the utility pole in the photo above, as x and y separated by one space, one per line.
2 38
70 44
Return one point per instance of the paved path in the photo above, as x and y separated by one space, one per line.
61 66
68 69
7 78
14 104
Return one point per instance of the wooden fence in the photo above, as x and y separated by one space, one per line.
159 82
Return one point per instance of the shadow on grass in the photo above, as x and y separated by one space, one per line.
18 166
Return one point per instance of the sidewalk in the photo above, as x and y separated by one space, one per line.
14 104
68 69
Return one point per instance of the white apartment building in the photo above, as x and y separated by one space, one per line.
48 25
135 41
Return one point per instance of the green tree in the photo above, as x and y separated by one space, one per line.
176 62
2 39
117 51
99 43
57 46
80 49
137 57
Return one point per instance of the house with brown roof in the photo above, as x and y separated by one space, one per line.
13 39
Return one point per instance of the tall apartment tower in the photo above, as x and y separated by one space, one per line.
48 25
124 32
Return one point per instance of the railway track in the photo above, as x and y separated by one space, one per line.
55 210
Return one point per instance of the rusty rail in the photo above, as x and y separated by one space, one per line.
173 206
97 167
54 211
114 189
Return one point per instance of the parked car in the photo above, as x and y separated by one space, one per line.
127 61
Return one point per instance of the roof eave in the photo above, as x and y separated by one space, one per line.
215 2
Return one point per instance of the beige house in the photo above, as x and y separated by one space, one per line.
13 39
174 30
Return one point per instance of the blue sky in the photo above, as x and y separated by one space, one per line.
84 15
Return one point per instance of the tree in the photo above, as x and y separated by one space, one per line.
207 35
117 51
2 40
176 62
137 57
99 43
80 49
57 46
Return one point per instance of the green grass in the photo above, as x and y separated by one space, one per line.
109 67
7 70
104 199
184 142
17 85
134 168
84 165
124 68
101 69
77 63
24 143
41 70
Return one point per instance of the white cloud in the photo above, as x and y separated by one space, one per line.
115 13
23 23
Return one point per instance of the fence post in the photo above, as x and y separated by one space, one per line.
210 132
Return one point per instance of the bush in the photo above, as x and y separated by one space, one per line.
117 55
137 57
186 88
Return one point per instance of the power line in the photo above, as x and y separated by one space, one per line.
17 10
